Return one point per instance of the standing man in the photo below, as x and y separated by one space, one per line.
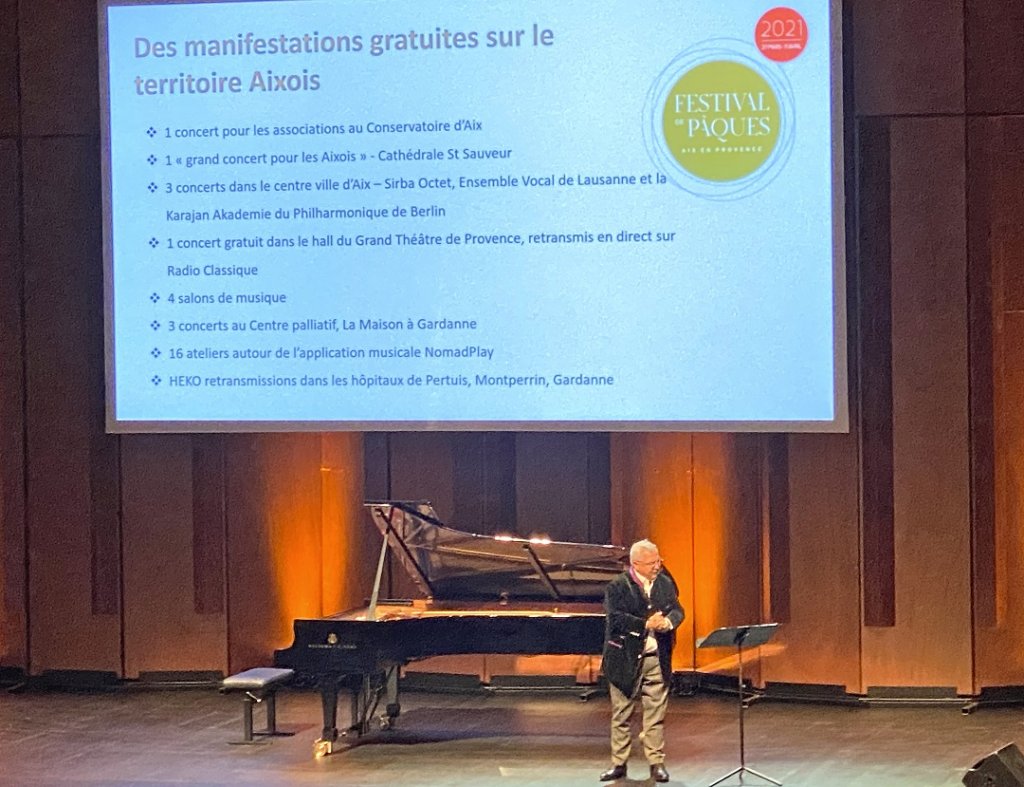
643 612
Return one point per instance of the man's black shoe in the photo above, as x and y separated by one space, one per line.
658 773
613 773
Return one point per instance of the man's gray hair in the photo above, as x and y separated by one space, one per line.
644 545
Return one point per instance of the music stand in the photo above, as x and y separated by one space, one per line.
740 637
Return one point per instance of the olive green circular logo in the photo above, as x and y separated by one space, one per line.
721 121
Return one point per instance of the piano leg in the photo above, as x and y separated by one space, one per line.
329 700
362 705
367 696
392 708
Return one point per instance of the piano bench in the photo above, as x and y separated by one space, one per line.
257 685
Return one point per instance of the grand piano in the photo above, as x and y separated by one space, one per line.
480 594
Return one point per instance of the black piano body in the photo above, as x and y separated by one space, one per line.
482 595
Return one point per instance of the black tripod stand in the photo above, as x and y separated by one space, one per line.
740 637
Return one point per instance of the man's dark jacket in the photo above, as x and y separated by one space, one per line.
627 609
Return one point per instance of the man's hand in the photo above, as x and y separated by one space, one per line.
658 622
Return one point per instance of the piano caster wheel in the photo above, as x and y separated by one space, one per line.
323 748
385 722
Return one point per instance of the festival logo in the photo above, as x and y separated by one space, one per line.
719 120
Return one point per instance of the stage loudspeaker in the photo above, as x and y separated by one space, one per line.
1004 768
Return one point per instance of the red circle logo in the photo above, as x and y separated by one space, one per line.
781 34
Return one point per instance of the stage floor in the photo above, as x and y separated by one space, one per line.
173 737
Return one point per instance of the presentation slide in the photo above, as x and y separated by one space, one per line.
413 214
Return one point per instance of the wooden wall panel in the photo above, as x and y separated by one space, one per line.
1007 228
983 171
931 488
275 572
209 524
59 72
652 497
599 472
551 501
874 360
821 641
104 514
1000 648
908 57
553 486
727 521
777 571
72 465
997 255
9 110
995 56
13 631
376 466
484 483
350 541
422 468
163 631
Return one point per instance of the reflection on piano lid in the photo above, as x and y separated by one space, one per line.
449 564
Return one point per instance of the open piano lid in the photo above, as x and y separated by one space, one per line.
451 565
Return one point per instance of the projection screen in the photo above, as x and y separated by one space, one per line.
413 214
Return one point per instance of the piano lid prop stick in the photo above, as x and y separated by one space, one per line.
371 612
541 573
